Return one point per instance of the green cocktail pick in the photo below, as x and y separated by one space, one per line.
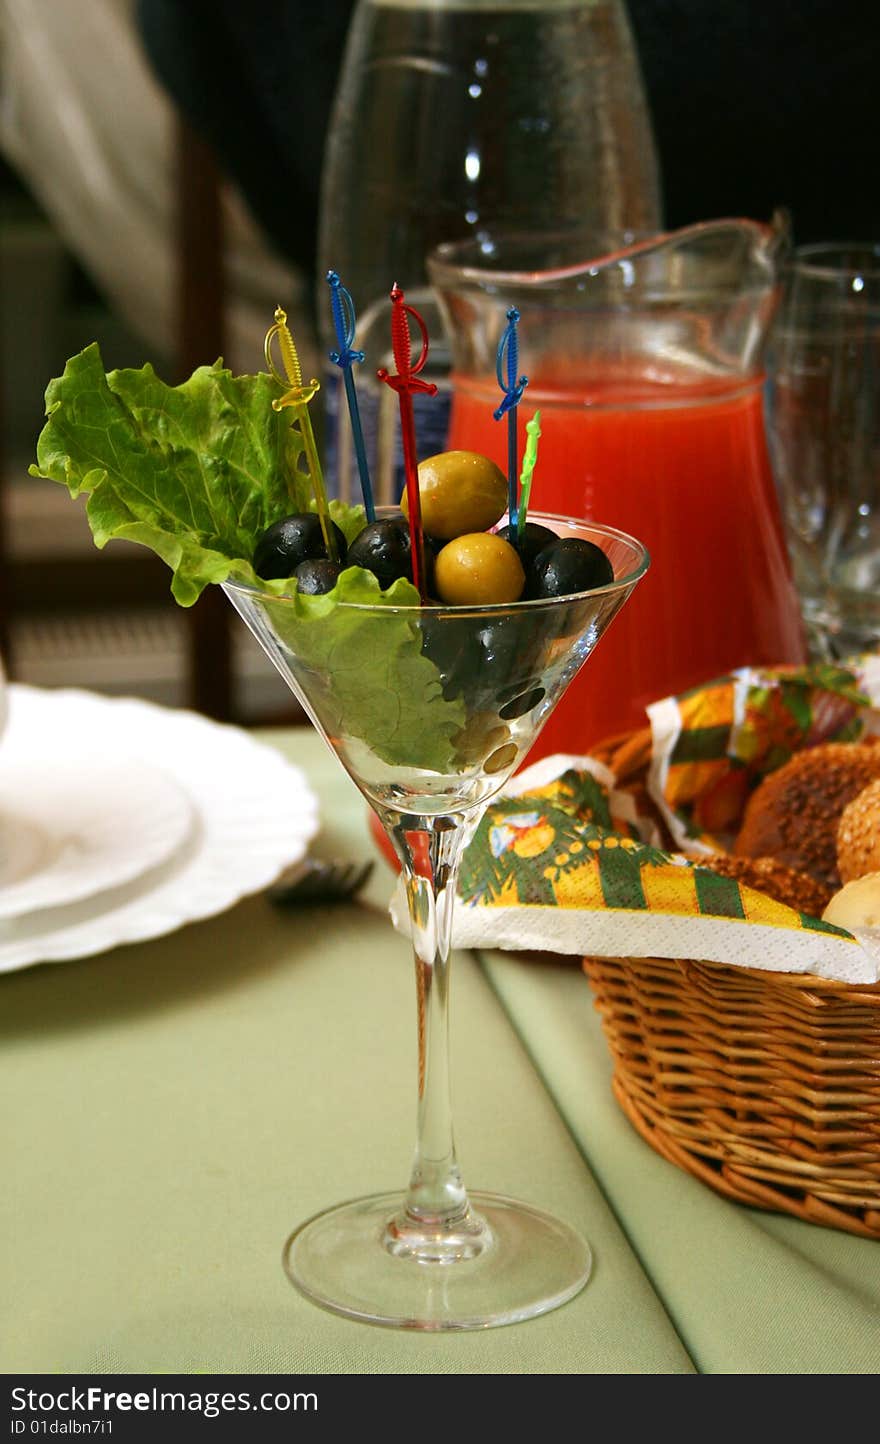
530 456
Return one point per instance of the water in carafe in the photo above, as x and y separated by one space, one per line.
467 119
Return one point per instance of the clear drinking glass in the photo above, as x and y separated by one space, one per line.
824 426
429 710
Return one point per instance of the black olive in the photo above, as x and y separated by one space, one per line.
534 539
502 642
317 575
569 565
525 702
455 652
295 539
385 549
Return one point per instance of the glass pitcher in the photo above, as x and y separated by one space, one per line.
646 365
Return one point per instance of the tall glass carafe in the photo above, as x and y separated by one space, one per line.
646 364
458 118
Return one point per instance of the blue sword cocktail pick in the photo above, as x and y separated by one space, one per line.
513 389
345 321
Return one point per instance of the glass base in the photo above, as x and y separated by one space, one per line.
515 1262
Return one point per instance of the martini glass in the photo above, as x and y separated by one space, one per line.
429 709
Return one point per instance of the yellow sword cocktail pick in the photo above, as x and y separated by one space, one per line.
298 394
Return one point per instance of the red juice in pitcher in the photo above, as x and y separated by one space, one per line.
692 481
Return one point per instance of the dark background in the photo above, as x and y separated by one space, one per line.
755 103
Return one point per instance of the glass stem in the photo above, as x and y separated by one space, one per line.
436 1223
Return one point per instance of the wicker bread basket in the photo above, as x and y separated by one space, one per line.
764 1085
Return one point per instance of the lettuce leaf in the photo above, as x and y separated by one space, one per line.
196 472
365 672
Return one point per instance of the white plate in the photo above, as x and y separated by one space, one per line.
69 829
253 814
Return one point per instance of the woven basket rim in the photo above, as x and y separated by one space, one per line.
738 1097
703 1072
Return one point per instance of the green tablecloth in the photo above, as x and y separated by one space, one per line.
172 1109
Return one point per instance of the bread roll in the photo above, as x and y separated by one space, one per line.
858 834
856 905
793 814
784 884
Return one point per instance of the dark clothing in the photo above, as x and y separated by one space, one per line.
257 81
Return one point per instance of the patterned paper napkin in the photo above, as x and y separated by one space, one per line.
568 861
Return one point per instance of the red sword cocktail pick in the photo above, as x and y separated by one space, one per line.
405 383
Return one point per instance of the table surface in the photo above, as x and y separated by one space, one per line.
174 1108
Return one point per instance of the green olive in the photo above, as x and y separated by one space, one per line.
480 737
477 570
459 491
